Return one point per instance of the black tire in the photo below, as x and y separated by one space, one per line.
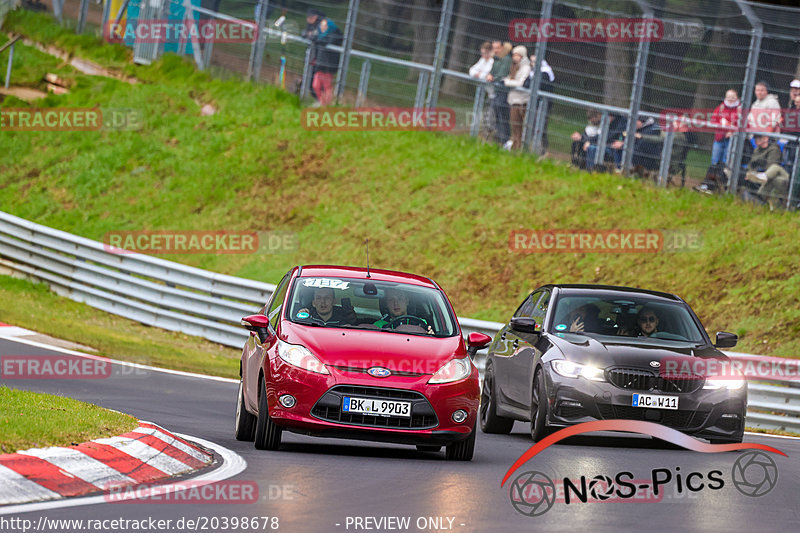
490 421
428 448
268 433
463 449
245 428
539 429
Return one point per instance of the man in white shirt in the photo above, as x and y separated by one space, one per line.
482 68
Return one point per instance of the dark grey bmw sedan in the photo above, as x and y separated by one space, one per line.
577 353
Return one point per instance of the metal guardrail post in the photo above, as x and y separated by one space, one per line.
347 45
666 156
605 123
10 63
305 82
438 59
636 92
477 110
793 176
258 46
747 95
84 9
58 10
532 118
363 82
422 83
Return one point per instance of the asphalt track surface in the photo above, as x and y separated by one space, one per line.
332 485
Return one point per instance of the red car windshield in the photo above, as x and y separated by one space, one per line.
376 305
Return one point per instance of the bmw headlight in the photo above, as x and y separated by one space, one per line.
301 357
568 369
454 370
730 384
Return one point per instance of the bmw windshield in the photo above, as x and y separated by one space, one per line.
372 305
625 315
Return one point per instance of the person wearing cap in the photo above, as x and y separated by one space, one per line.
765 170
792 107
517 96
794 90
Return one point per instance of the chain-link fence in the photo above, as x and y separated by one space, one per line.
622 97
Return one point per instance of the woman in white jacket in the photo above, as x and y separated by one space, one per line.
517 97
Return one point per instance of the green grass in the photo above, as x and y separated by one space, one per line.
35 420
32 305
433 204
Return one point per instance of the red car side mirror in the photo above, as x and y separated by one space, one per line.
257 325
475 341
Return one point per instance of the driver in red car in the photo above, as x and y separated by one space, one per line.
322 309
397 302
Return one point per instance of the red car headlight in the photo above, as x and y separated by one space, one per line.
453 370
301 357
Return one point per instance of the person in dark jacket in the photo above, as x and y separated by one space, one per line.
498 99
312 28
324 60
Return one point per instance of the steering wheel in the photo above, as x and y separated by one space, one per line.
395 321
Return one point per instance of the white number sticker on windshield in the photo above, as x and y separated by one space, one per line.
326 283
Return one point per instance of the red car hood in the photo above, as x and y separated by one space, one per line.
364 349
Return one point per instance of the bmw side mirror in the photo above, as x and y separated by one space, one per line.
476 341
726 340
257 325
524 324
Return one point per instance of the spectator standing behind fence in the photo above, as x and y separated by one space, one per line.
325 60
498 99
312 27
517 97
483 67
794 90
765 169
726 114
765 112
548 78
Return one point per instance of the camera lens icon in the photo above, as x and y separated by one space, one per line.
754 474
532 493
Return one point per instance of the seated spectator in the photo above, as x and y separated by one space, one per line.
726 114
682 140
582 141
498 98
765 112
765 169
517 97
483 67
647 146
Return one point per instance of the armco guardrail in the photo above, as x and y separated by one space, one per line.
197 302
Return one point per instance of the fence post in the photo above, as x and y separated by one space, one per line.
636 92
605 123
794 175
666 156
84 8
747 96
106 15
257 49
477 110
422 83
363 82
58 9
438 59
10 62
305 81
347 47
529 136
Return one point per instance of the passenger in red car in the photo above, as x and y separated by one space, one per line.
323 309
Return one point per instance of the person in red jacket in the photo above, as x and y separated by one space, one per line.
726 114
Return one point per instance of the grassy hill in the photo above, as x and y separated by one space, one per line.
433 204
